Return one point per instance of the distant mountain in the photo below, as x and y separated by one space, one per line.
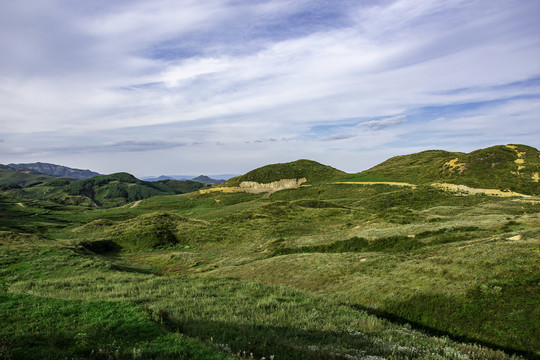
55 170
514 167
166 177
188 177
311 170
207 180
160 178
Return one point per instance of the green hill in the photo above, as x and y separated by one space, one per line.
313 171
351 267
21 177
105 190
512 167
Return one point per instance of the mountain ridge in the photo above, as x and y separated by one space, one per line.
55 170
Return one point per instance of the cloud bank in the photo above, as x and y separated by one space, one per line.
165 86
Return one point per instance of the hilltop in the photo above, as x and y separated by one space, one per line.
506 167
207 180
312 171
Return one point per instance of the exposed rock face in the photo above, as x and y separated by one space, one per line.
273 186
256 188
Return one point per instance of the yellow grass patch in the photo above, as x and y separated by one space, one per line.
535 202
511 146
376 183
536 177
226 190
453 165
519 161
466 190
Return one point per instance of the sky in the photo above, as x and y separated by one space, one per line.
194 87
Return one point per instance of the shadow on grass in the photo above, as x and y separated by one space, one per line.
396 319
294 343
280 341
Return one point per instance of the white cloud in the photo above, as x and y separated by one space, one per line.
375 125
217 71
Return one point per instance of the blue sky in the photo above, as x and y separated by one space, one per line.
204 87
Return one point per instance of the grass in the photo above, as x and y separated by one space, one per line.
311 170
494 167
45 328
319 272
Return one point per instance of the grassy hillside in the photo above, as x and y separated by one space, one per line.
9 177
512 167
311 170
330 271
106 190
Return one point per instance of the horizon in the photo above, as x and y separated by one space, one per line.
164 87
226 176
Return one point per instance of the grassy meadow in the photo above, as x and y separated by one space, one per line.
326 271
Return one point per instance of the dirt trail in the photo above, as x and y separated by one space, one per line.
135 204
376 183
460 189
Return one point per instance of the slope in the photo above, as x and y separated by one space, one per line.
20 178
313 171
510 167
106 190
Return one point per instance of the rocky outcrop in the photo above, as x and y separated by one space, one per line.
282 184
254 187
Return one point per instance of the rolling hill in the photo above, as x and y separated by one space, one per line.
105 190
354 266
311 170
22 177
512 167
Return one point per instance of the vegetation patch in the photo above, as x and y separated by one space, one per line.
45 328
311 170
393 243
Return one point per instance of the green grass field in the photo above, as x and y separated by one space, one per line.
326 271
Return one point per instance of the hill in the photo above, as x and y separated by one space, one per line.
20 177
207 180
179 186
341 269
105 190
55 170
313 171
510 167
